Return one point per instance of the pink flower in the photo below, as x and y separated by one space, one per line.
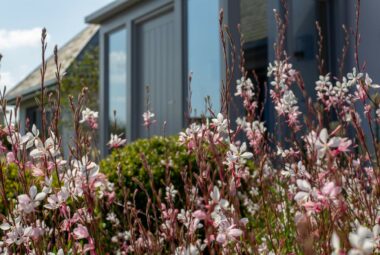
116 141
324 144
10 157
47 149
314 207
80 232
199 214
228 234
91 117
190 136
148 118
90 246
27 203
37 170
344 144
331 190
56 201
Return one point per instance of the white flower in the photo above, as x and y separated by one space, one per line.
50 148
324 143
378 113
305 191
323 83
368 82
148 118
227 232
362 241
192 249
27 203
60 252
215 194
244 87
190 133
220 123
171 192
17 234
335 244
116 141
111 217
237 156
88 114
56 201
354 77
16 139
258 126
32 136
86 167
287 103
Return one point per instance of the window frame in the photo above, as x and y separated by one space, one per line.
127 20
107 79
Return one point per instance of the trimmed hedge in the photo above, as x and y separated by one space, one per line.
155 150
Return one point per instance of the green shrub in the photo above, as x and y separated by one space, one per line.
156 150
12 185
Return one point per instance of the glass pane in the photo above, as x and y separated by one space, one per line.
117 81
204 54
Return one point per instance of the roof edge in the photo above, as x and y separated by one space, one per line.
31 90
109 10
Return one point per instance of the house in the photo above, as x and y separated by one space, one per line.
29 88
157 43
301 42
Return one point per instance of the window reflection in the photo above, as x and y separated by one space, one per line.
204 54
117 77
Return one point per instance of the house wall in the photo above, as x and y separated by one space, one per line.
301 40
129 19
302 16
369 34
369 52
300 46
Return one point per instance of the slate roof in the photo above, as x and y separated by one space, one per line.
67 54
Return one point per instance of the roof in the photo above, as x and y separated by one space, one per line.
67 54
110 10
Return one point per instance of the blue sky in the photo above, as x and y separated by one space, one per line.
21 22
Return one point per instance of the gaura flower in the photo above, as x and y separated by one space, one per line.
80 232
116 141
27 203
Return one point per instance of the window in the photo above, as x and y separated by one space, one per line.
117 79
34 117
325 14
204 54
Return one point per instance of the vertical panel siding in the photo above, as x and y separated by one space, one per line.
156 58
